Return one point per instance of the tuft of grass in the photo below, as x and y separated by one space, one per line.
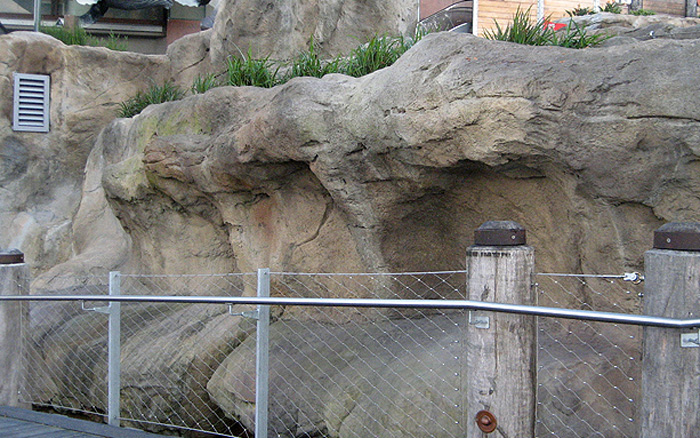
202 84
612 7
643 12
113 42
79 37
250 71
576 37
579 12
308 63
154 94
377 53
523 30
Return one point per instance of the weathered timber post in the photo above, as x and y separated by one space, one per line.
501 348
671 367
14 280
691 8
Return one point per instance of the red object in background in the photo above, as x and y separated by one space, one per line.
556 26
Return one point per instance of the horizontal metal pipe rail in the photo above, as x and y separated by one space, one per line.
551 312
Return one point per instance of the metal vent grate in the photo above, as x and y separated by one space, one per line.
31 103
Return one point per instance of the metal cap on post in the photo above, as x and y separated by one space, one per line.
500 350
499 233
11 257
679 236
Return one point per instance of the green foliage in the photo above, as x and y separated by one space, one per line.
308 63
642 12
579 11
79 37
612 7
202 84
154 94
377 53
576 37
247 70
525 30
114 42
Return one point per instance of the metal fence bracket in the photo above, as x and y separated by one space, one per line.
690 340
102 309
478 320
251 314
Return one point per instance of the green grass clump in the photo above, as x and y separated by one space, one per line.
154 94
612 7
642 12
249 71
525 30
377 53
79 37
245 70
202 84
576 37
308 63
579 12
114 42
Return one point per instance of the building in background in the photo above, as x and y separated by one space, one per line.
476 16
148 30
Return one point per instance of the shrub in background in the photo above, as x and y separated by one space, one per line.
612 7
79 37
579 12
642 12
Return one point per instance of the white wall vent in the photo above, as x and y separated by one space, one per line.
31 103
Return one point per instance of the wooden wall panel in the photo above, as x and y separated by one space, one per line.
670 7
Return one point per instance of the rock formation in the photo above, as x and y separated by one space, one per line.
590 150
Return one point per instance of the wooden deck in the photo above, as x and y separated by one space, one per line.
21 423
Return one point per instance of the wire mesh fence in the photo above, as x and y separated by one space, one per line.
333 371
66 349
367 372
589 373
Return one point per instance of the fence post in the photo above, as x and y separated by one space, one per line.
262 357
114 352
501 348
670 377
14 280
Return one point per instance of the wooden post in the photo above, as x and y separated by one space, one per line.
691 8
671 373
501 348
14 280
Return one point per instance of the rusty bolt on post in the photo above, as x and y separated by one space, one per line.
486 421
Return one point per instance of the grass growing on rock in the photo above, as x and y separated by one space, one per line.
526 30
154 94
202 84
246 70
